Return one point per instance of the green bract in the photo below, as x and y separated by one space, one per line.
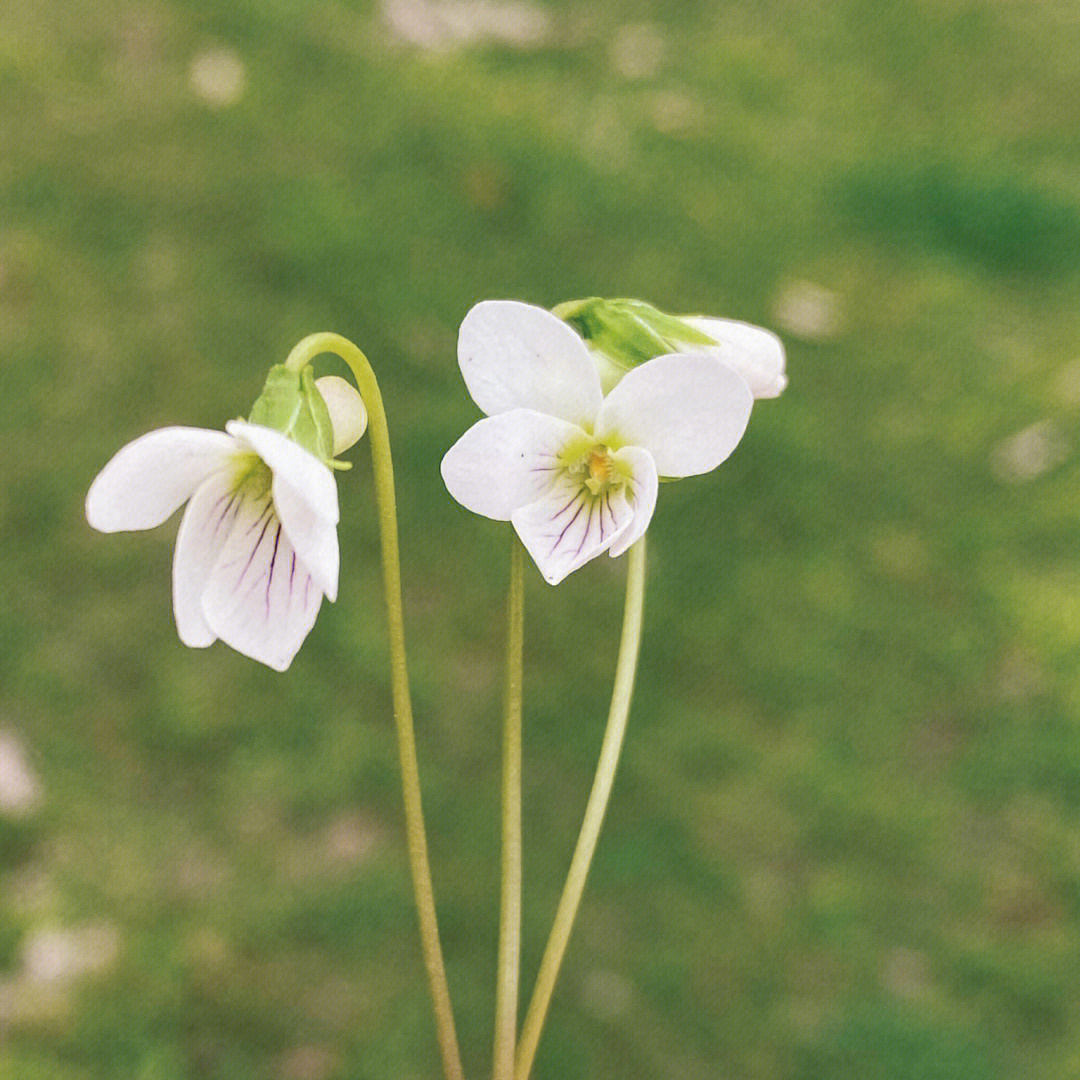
291 403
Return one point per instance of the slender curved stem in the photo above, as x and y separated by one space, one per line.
506 987
298 359
625 669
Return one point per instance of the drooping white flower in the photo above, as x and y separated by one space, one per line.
576 472
621 334
257 548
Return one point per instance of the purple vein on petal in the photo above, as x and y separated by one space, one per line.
255 524
254 551
573 499
588 529
273 561
250 589
231 497
559 538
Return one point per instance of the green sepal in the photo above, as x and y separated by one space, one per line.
629 332
291 404
279 403
313 428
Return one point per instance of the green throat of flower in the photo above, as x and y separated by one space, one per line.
597 470
252 476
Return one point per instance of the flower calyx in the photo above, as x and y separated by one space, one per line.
324 416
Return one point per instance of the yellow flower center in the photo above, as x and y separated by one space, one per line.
599 467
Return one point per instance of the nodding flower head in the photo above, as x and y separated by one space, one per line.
257 548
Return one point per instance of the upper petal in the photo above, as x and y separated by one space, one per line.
569 525
518 356
348 413
297 468
260 598
507 461
687 410
756 354
305 499
147 480
313 537
642 485
204 528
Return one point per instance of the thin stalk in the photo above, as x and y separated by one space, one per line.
625 669
506 986
302 355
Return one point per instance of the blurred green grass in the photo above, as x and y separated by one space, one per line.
843 838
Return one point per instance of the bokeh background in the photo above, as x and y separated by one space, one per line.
844 839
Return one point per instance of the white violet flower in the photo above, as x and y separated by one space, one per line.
574 471
257 547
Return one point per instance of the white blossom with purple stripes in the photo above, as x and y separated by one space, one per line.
576 472
257 548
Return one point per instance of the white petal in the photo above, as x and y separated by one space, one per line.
260 597
204 528
642 485
146 481
517 356
569 526
305 499
756 354
687 410
298 469
314 538
348 414
507 461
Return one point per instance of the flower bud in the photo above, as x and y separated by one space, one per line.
348 416
621 334
756 354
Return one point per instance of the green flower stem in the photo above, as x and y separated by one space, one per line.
506 987
625 669
298 359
